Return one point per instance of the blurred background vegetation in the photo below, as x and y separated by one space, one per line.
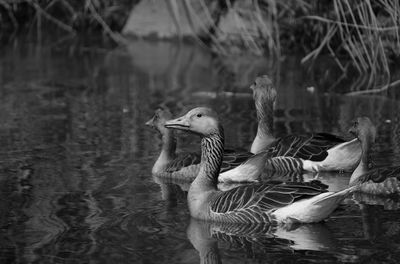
361 36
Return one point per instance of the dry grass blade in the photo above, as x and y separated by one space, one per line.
360 26
364 36
115 36
49 17
194 20
376 90
10 14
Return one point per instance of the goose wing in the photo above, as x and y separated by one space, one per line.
247 200
231 159
308 147
183 160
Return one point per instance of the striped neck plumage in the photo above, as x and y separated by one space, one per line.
265 118
265 112
363 166
212 151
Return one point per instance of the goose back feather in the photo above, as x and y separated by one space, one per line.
315 152
308 147
256 202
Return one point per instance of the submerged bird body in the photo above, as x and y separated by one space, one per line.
379 181
269 202
312 152
185 166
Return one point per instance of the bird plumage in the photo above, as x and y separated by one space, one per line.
378 181
186 165
314 152
252 203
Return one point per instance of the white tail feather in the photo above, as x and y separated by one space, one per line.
312 210
335 196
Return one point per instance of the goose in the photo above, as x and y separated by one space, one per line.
379 181
268 202
313 152
186 165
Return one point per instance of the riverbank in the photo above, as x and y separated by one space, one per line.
361 36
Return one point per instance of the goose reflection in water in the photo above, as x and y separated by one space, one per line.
207 238
172 190
216 242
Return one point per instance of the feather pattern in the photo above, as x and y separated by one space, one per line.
307 147
183 160
256 202
204 236
379 175
230 160
317 152
379 181
212 148
187 165
288 164
269 202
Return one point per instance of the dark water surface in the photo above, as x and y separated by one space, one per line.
76 158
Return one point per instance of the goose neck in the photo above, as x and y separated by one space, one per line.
212 149
362 167
167 153
265 111
169 142
265 120
205 184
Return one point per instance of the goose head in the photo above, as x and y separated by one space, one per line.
264 93
364 130
161 115
201 120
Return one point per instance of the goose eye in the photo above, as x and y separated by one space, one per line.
199 115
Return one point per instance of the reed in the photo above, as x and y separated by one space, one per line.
360 35
70 16
365 31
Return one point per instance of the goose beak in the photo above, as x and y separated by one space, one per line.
181 123
149 123
252 86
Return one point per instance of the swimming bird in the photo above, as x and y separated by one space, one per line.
310 152
269 202
185 166
379 181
